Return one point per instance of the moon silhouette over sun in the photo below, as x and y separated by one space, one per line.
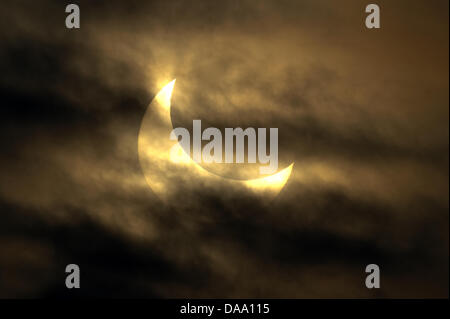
168 175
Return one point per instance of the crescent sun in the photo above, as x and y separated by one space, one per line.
167 175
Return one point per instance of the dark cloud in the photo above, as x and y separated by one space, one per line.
363 114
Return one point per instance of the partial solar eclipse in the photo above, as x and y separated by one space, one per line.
169 175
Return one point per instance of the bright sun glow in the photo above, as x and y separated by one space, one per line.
164 96
275 181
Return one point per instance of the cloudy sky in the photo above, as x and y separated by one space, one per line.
362 113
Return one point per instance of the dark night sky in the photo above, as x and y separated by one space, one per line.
362 113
